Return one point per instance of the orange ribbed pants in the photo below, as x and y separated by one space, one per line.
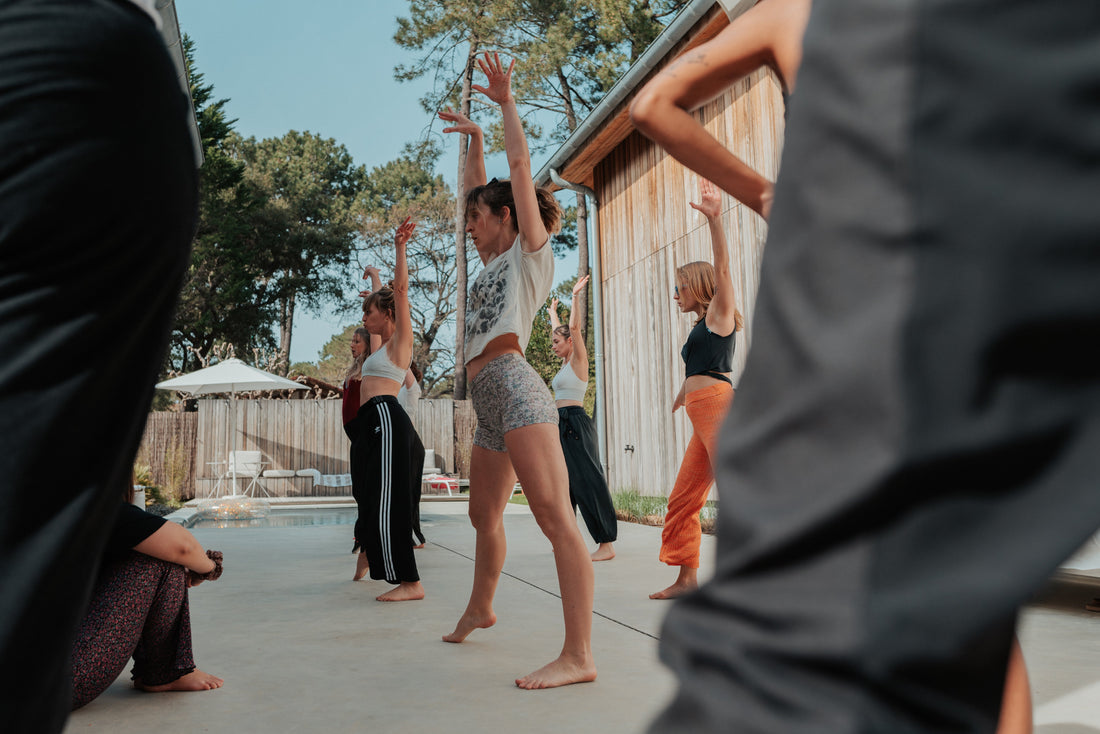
682 533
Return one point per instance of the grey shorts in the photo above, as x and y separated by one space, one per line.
509 394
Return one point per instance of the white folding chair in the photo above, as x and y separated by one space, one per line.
247 464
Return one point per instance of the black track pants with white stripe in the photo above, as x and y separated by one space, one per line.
387 456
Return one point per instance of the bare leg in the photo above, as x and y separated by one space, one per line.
196 680
1016 716
540 466
405 591
362 566
604 553
686 581
491 482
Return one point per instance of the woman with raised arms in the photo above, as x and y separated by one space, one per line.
510 223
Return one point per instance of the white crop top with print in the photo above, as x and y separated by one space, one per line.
380 365
506 295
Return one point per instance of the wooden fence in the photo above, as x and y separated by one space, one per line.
292 434
168 449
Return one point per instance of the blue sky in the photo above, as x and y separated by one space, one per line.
325 66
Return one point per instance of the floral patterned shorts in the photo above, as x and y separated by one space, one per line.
509 394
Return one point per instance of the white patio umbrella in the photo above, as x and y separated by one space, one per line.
229 376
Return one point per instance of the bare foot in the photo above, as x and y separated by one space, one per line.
405 591
677 589
604 553
196 680
561 672
468 624
362 566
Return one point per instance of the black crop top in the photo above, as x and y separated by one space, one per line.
706 353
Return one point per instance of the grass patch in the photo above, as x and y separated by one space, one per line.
633 506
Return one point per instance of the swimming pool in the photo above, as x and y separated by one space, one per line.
282 518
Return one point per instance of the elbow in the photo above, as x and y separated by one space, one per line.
185 550
518 165
645 111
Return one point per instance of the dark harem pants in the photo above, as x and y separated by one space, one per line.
97 210
587 485
387 457
915 444
138 609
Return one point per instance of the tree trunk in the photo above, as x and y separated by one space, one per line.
581 301
582 213
460 233
286 328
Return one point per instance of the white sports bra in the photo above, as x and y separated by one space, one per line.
380 365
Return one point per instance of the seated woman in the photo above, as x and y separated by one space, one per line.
139 608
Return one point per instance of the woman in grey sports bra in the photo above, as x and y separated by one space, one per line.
510 223
387 455
587 484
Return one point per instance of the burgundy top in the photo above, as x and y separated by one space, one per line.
351 399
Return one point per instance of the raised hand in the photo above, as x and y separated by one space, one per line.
710 201
404 233
375 276
462 124
580 284
499 80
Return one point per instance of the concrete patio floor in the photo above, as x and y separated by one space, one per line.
303 648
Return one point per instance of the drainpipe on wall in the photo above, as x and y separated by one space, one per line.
596 284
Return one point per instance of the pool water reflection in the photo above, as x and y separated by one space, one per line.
289 518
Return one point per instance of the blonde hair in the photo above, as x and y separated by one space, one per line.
356 368
697 278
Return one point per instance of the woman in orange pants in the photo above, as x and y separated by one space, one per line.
707 291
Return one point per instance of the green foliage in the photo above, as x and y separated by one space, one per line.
335 357
539 353
311 187
222 298
636 506
633 506
276 227
447 32
566 240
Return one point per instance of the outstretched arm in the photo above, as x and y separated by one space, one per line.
474 173
722 313
769 33
555 322
532 232
375 284
579 360
402 342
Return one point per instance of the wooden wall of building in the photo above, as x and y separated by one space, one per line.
647 230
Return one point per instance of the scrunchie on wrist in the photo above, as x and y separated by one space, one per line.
216 557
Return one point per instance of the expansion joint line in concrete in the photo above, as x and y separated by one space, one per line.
551 593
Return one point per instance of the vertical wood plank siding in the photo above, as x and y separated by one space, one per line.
647 231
